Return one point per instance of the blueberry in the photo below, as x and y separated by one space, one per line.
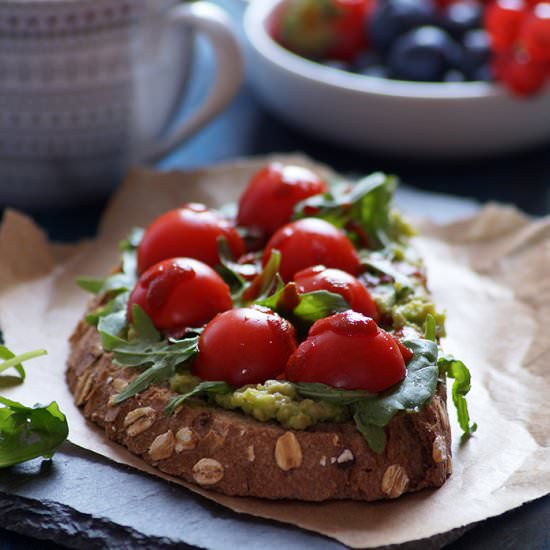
424 54
461 17
365 60
476 51
392 18
483 73
337 64
454 75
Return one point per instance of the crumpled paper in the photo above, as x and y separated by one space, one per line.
490 272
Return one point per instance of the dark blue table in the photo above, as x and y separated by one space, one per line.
245 128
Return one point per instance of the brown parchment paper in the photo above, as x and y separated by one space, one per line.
491 273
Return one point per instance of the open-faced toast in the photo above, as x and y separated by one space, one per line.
369 442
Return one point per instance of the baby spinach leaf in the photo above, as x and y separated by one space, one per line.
27 433
409 395
202 388
457 370
365 203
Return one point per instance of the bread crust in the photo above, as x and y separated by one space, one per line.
234 454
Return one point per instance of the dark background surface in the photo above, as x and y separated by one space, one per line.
246 129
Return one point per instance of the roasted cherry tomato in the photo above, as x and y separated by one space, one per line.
245 346
269 199
348 351
339 282
191 232
311 241
180 293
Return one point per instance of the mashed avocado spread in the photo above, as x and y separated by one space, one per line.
273 400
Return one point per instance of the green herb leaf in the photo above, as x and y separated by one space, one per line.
430 328
457 370
409 395
202 388
111 325
269 281
227 270
13 361
365 203
143 325
315 390
27 433
319 304
374 262
308 307
160 358
120 283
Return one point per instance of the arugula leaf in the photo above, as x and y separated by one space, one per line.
385 267
457 370
323 392
120 283
114 320
365 203
15 361
319 304
27 433
202 388
227 270
159 357
143 325
268 282
372 415
308 307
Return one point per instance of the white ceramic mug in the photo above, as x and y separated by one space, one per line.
88 87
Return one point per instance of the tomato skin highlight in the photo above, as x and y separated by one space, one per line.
337 281
269 200
245 346
309 242
348 351
191 231
180 293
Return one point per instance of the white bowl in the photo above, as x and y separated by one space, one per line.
389 116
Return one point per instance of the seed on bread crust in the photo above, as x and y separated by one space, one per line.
186 440
395 481
439 449
162 446
208 471
250 453
119 384
84 387
345 456
139 420
288 452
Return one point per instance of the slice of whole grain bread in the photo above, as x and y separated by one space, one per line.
234 454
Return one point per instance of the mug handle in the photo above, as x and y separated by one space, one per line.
216 25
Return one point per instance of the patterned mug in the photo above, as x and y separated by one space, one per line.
88 87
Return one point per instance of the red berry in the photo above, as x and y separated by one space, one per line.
503 20
349 36
521 75
535 33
